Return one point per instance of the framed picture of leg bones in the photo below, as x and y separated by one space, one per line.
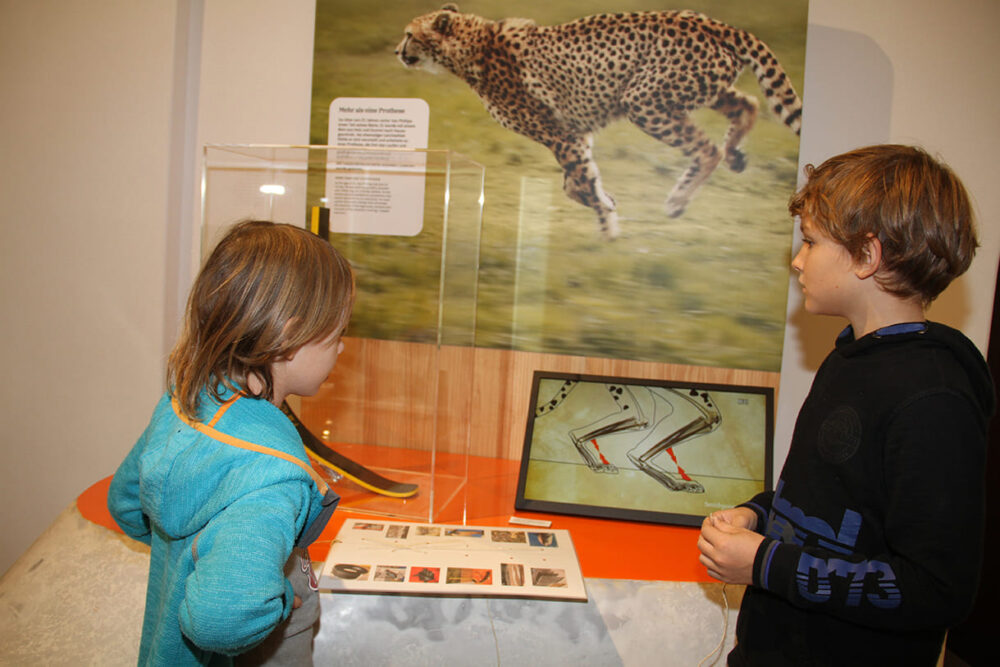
643 450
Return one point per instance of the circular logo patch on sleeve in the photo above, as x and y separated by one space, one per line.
840 435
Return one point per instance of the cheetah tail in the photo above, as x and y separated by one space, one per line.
775 84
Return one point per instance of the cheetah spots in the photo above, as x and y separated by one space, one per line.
558 85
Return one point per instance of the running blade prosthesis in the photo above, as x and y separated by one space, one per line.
320 452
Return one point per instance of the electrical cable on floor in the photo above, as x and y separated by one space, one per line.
496 641
725 628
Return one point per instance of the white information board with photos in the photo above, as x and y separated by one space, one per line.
440 559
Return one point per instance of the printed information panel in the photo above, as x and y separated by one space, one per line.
440 559
373 191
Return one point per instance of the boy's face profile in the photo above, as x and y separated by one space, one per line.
827 272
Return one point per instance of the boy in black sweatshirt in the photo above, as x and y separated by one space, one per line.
870 546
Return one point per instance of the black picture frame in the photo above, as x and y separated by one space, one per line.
603 446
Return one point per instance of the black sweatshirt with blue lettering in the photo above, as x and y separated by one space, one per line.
873 534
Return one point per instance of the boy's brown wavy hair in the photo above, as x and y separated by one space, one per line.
914 204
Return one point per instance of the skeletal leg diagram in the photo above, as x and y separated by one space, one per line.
661 417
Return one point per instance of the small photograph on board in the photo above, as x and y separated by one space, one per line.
470 575
390 573
398 532
463 532
425 575
647 450
542 540
430 531
512 574
351 571
369 526
546 576
509 536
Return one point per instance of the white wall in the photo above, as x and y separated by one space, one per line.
86 87
106 105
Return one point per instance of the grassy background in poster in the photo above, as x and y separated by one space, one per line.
708 288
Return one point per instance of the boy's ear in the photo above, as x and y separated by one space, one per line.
871 260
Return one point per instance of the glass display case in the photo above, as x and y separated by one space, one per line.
392 422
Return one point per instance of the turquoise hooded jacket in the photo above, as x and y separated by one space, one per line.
221 522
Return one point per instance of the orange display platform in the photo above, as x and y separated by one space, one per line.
607 549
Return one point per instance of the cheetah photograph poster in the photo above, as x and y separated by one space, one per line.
639 157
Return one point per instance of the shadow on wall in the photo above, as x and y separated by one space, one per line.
852 67
842 65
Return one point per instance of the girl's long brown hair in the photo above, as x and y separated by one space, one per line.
266 290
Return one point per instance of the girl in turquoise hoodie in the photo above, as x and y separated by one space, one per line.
219 484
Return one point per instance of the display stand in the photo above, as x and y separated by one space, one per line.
401 217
